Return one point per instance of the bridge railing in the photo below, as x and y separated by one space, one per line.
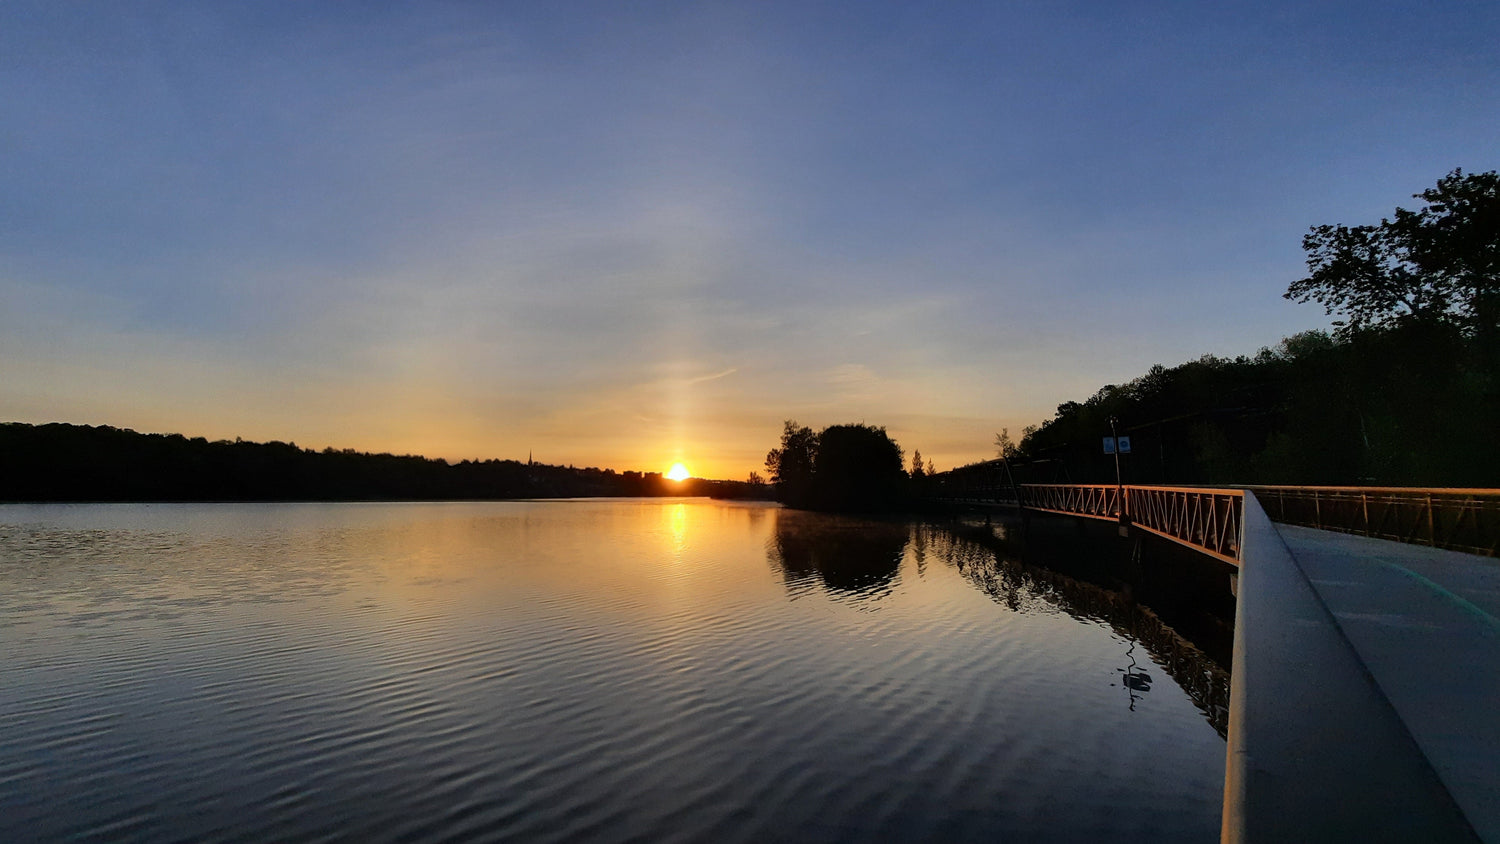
1099 501
1209 519
989 482
1457 519
1205 519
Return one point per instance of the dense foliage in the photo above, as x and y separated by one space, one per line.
1411 405
843 467
60 462
1406 391
1440 263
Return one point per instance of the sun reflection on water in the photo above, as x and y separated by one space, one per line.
677 522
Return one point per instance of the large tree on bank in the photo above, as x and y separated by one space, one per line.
842 467
1439 263
791 466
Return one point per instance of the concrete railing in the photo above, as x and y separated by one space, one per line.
1315 750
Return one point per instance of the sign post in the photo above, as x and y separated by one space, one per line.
1114 444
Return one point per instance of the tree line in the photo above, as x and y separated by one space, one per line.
1405 390
1410 405
61 462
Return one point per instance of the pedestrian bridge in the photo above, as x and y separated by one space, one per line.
1210 519
1366 671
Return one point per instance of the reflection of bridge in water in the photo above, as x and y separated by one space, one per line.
999 571
1366 669
857 560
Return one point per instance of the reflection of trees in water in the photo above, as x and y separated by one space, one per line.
847 555
995 569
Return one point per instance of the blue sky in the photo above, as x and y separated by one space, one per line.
627 234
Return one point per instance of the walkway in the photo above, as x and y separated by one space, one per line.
1366 690
1365 695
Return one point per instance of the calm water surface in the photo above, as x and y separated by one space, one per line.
573 670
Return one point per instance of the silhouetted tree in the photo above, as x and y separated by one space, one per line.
1403 405
1005 446
858 467
917 469
843 467
1405 391
1440 262
791 465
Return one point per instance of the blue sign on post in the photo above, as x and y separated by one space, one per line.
1124 445
1109 445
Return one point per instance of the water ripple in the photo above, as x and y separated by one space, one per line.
564 671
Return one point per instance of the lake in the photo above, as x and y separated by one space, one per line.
592 670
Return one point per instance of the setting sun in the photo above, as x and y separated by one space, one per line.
678 472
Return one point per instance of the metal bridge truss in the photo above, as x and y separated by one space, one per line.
1206 520
1097 501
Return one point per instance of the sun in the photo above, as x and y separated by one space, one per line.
678 472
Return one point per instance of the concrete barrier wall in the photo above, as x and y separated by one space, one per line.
1315 751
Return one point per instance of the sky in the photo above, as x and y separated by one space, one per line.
623 235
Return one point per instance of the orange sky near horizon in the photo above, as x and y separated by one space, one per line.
643 235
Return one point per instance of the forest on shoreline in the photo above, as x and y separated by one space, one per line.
1407 405
1411 405
1405 391
62 462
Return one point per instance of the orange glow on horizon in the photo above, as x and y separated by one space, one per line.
678 472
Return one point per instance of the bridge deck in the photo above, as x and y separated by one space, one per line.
1366 682
1365 696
